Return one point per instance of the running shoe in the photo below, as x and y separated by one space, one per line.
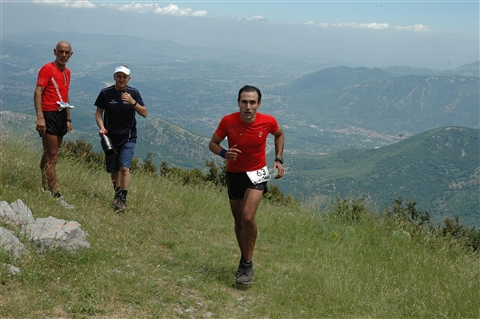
240 267
120 206
116 200
246 276
118 195
46 190
61 200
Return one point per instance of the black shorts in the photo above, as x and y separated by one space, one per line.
56 122
238 183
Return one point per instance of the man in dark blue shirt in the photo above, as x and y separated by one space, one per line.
115 116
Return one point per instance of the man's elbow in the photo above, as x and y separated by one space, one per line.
211 146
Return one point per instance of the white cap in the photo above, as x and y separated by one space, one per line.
122 69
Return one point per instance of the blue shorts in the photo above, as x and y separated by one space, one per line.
238 183
122 157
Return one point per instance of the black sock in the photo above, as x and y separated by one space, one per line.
247 263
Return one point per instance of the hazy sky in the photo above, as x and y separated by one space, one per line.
433 34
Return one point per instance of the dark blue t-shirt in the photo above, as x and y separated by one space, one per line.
119 116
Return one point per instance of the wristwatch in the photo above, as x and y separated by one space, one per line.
279 159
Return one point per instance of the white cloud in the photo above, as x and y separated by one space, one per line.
375 26
139 7
416 28
372 26
135 7
256 18
68 3
172 9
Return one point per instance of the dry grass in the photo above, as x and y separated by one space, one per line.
173 255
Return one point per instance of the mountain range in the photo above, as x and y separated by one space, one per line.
324 107
439 169
372 107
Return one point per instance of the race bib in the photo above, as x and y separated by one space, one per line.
259 176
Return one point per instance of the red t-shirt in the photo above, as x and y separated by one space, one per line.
56 83
251 139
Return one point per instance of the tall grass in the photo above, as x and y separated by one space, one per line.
173 254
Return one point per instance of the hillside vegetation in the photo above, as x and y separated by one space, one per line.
173 255
439 169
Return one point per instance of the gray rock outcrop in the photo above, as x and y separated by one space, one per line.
11 244
50 233
16 213
43 233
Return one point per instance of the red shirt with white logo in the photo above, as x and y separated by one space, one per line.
56 83
250 138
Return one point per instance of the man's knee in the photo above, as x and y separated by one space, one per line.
51 153
248 218
51 161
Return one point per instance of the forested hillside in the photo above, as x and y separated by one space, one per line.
439 169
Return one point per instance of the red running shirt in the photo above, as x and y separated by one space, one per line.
56 83
251 139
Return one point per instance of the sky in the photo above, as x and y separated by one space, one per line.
439 35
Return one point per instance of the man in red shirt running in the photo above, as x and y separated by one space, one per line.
247 171
53 114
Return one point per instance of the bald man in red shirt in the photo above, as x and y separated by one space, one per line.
53 115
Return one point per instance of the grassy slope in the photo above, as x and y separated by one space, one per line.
173 254
422 168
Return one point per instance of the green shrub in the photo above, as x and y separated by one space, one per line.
348 210
81 150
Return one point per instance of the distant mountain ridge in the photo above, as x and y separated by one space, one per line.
439 169
324 106
471 69
365 103
173 144
339 77
165 141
